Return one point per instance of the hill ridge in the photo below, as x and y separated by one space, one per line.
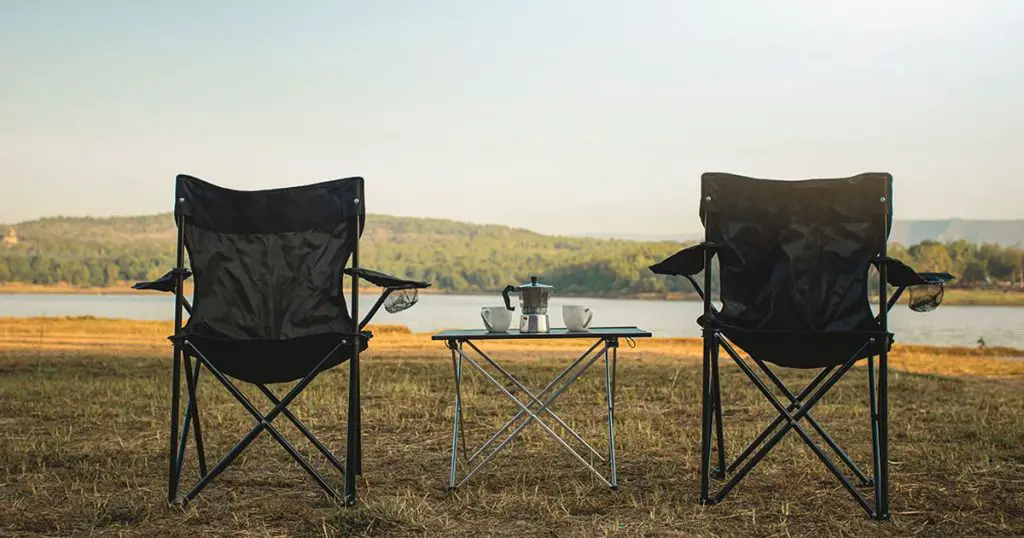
455 256
1004 232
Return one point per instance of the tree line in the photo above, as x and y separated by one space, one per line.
453 256
623 271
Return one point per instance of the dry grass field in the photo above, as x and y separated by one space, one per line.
84 411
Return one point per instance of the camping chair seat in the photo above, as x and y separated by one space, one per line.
268 307
794 260
276 361
803 349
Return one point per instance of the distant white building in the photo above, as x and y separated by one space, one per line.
11 238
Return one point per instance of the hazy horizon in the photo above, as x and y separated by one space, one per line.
564 118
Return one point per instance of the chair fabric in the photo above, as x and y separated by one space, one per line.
264 265
794 255
794 259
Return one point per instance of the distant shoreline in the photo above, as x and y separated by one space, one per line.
976 297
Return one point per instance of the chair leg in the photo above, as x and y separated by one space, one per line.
174 469
795 404
791 423
719 426
186 422
225 461
358 463
263 423
303 429
883 434
789 417
191 381
807 390
875 446
351 444
706 412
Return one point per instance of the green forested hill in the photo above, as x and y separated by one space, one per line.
454 256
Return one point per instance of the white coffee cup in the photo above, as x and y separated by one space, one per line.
577 317
496 318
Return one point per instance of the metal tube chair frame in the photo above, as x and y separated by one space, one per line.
185 350
796 411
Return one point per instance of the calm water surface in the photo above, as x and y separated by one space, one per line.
948 325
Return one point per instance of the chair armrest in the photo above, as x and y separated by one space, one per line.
901 274
167 283
384 280
686 262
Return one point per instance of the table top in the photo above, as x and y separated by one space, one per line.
514 334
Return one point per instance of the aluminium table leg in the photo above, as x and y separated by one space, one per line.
532 417
561 375
457 370
609 384
536 398
515 432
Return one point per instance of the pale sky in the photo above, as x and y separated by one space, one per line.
562 116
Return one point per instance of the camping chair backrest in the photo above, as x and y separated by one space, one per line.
266 264
795 255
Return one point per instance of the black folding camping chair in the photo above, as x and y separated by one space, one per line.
794 260
269 307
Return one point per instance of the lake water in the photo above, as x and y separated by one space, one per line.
948 325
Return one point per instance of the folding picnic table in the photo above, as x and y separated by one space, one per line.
606 344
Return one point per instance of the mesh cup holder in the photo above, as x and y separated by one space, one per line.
400 300
926 298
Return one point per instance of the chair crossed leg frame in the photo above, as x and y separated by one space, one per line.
798 409
186 350
604 347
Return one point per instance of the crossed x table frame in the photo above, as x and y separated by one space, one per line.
606 344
